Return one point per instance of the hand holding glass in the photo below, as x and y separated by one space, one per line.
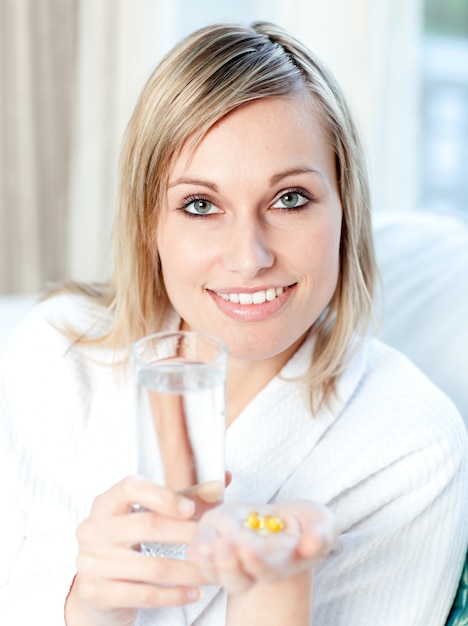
180 394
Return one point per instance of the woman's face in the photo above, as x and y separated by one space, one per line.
249 238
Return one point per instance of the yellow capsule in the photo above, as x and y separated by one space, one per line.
264 524
273 524
253 520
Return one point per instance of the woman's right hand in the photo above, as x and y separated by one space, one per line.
113 578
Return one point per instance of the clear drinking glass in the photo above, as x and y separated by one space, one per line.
180 401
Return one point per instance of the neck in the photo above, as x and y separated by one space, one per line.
245 379
244 382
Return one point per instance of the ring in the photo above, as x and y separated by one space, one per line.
264 524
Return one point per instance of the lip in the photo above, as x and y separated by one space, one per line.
250 312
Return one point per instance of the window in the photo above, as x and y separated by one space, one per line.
444 136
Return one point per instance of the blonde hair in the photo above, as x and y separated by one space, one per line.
208 74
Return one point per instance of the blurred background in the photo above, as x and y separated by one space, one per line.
71 71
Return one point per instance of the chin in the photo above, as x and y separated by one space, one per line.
256 348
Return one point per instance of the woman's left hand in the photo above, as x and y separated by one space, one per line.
230 553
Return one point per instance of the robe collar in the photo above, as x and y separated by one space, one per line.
277 430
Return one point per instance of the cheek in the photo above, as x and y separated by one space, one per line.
183 268
319 255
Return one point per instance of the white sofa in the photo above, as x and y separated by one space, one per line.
423 261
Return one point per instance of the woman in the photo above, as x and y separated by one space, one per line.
244 212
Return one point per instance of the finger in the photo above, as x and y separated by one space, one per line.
319 533
111 594
229 569
200 552
152 527
128 531
134 489
217 561
122 565
314 546
254 566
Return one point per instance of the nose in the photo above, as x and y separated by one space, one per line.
247 251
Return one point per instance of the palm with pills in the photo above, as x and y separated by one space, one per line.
238 545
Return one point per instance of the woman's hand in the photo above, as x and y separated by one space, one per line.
237 557
113 579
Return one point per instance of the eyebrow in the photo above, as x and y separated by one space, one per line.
194 181
292 172
276 178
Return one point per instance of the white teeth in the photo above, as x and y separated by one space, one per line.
259 297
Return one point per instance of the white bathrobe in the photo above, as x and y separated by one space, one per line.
389 457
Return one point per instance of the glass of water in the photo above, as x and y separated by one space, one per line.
180 380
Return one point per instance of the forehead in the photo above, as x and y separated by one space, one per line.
268 129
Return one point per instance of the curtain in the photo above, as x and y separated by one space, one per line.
37 48
71 71
120 42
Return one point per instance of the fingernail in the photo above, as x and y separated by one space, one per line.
186 507
203 550
194 594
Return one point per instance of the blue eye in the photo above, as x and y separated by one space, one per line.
199 206
290 200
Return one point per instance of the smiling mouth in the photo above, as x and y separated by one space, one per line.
257 297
